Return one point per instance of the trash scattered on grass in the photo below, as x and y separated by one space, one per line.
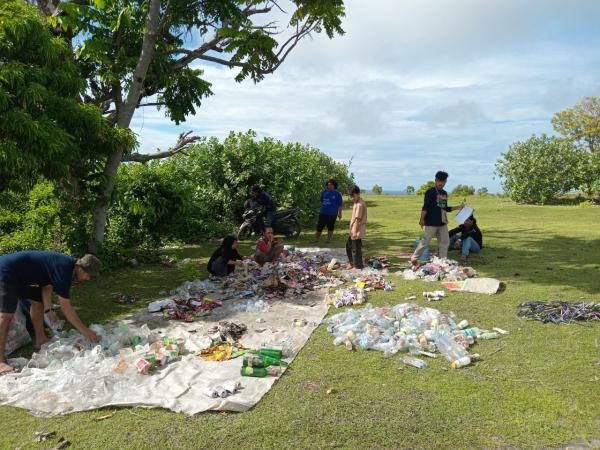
62 443
41 436
378 262
415 362
438 269
434 296
125 299
559 311
406 327
106 416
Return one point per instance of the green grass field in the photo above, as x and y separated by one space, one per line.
535 388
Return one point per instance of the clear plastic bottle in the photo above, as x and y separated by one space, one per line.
451 349
415 362
486 336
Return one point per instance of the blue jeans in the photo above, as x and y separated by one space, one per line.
469 245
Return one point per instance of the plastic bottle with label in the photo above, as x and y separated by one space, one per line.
260 372
461 362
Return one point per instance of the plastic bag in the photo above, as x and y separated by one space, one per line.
18 336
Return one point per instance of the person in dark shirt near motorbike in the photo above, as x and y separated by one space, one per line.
264 200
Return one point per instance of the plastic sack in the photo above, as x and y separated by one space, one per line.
18 336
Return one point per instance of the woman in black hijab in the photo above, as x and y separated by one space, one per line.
225 258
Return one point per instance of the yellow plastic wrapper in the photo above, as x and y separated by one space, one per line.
221 352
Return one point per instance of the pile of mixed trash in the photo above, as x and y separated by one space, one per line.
411 328
560 311
295 275
438 269
364 281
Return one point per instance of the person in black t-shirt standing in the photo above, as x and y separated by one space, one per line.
434 218
467 238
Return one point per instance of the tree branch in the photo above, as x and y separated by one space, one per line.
141 69
184 141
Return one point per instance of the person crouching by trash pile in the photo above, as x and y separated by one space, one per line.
225 258
268 249
358 230
35 275
467 238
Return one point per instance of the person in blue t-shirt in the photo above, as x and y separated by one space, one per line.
331 209
34 275
434 219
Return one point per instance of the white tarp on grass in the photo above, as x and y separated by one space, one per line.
87 380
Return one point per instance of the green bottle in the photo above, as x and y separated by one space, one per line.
260 372
261 361
271 352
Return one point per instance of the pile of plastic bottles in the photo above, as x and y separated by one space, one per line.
407 327
439 269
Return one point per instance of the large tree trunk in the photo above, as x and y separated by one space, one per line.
125 112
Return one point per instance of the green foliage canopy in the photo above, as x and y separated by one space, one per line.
201 193
45 129
377 190
581 123
540 168
463 190
424 187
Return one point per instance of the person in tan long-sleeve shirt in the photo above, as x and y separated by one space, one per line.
358 230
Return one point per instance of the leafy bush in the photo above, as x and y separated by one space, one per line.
482 191
201 193
463 190
147 207
540 168
410 190
425 187
34 223
185 198
377 190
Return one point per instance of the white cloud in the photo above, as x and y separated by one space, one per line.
414 86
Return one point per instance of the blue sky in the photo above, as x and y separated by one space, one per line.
414 86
